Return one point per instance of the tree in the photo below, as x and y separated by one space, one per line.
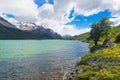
95 33
105 25
100 29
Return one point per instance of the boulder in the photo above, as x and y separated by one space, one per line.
107 43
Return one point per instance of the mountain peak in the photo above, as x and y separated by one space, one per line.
39 31
28 26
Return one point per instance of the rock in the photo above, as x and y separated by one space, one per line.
69 76
107 43
66 76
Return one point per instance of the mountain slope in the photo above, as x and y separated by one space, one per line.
40 31
6 23
31 31
9 31
12 33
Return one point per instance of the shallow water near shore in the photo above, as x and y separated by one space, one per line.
39 59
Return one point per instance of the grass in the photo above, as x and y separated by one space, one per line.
82 37
103 64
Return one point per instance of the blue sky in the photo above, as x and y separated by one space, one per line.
81 21
10 16
41 2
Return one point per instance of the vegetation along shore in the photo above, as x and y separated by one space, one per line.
103 61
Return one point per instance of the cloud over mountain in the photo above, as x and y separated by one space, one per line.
56 16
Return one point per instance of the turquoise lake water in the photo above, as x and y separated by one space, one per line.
39 59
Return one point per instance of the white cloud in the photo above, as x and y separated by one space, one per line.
46 11
87 8
115 20
56 16
24 10
115 11
61 28
68 29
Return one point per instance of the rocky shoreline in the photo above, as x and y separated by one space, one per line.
71 75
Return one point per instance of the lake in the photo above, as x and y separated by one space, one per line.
39 59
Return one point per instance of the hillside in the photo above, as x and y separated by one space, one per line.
115 31
103 62
82 37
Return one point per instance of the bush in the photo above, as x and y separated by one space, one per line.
118 39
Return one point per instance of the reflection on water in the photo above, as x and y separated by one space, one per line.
38 59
